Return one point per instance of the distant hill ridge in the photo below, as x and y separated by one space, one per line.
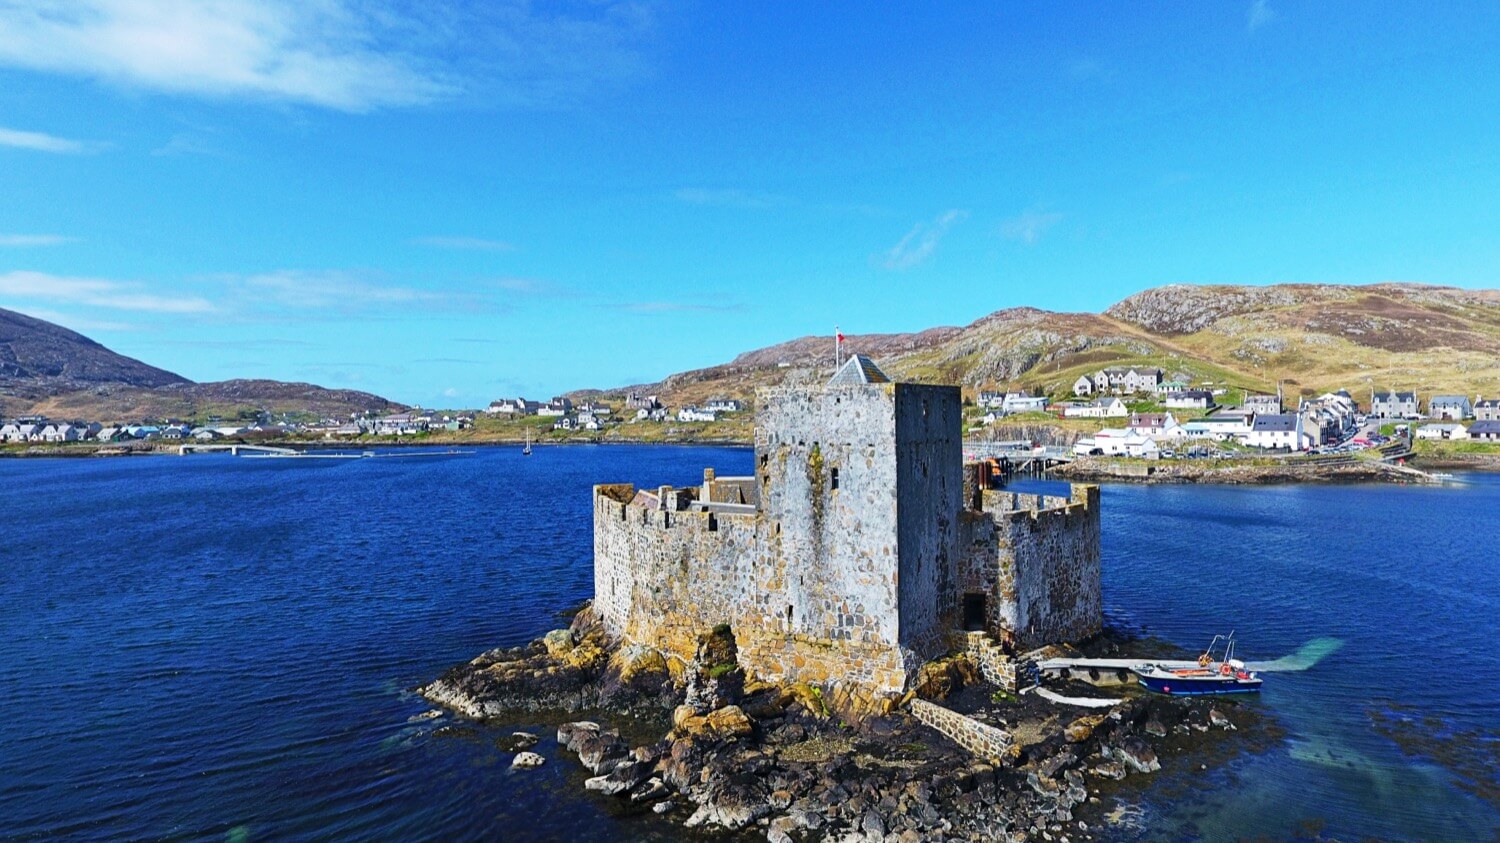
1314 337
48 369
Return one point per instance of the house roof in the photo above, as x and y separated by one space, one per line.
1490 428
1275 422
859 369
1399 396
1489 402
1448 399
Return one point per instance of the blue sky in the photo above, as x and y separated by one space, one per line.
444 203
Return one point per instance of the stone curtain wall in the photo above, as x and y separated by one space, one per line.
1048 568
929 474
662 578
983 740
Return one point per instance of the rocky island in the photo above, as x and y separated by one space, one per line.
843 645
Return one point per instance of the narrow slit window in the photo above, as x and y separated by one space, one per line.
833 480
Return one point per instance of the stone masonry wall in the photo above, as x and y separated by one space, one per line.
1048 570
982 739
662 578
929 477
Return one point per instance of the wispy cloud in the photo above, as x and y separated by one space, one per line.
95 292
82 324
327 290
675 307
26 240
186 143
921 242
351 55
1029 226
39 141
1259 15
729 198
479 244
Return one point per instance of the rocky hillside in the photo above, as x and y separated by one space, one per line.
1314 338
39 358
48 369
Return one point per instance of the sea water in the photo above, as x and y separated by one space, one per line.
221 648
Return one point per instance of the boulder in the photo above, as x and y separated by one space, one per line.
1135 754
1110 770
729 721
635 662
1083 728
558 642
527 761
568 734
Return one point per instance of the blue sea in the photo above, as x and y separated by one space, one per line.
221 648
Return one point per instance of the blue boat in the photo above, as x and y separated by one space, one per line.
1222 675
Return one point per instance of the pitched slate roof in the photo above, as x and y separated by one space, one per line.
859 369
1275 422
1488 428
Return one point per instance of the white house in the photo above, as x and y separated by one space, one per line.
556 407
1116 441
724 405
1277 430
1450 407
1151 425
696 414
1083 386
1108 407
1442 431
1190 399
1020 402
1222 428
512 407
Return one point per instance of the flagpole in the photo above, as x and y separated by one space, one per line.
838 348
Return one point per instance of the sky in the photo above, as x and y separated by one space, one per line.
444 203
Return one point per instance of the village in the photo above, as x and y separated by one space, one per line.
1167 418
1134 412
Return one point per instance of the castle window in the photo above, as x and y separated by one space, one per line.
788 614
833 480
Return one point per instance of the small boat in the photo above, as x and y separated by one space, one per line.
1224 674
527 450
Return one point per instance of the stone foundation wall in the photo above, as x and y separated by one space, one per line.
983 740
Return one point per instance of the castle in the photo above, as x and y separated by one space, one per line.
862 547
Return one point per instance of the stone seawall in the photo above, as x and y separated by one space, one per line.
983 740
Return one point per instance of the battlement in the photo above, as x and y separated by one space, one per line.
1013 505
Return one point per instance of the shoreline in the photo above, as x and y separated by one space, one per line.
1085 469
715 751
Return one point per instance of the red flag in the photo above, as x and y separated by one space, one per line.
839 335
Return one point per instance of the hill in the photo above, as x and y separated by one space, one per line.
47 369
1314 338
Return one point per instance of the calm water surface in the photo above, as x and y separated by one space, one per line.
212 648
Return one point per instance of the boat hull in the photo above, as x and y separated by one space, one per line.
1179 686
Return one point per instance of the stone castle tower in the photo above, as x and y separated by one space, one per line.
852 555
